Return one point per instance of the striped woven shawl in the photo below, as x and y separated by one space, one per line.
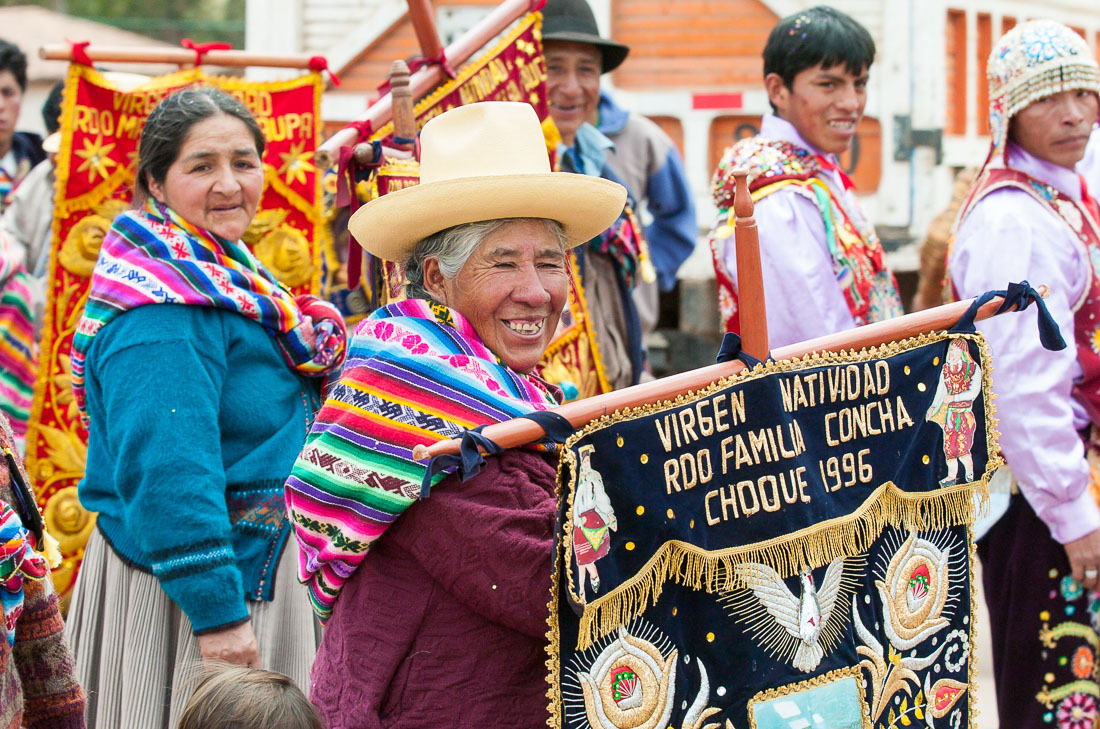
416 373
17 341
153 256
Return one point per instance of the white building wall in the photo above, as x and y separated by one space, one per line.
336 29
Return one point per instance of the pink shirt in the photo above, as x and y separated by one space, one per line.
1010 236
801 293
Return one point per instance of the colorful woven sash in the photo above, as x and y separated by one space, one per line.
154 256
858 260
17 341
18 561
624 243
416 373
7 187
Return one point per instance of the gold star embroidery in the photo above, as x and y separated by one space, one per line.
96 156
296 164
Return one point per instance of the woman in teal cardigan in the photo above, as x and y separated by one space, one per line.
197 374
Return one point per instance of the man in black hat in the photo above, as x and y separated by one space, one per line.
604 139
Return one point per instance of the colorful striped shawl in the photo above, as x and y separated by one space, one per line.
154 256
416 373
17 341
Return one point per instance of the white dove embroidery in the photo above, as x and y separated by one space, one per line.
792 621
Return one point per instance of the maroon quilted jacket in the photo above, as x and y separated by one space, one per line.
444 623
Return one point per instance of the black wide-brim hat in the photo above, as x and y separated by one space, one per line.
572 20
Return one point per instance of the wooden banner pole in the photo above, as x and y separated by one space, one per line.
404 117
518 432
428 77
427 35
176 56
750 277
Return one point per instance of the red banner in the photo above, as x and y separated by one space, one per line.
513 70
102 124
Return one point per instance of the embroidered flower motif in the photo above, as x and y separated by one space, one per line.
1071 588
943 695
414 344
626 690
1076 711
1083 662
1044 43
80 250
630 684
285 253
384 331
914 592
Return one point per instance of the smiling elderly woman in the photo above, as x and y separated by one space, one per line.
443 621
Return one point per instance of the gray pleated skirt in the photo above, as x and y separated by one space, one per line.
135 654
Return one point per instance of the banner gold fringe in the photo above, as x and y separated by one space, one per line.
812 547
687 565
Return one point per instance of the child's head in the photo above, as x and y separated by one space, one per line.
236 697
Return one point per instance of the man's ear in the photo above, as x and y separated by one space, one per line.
778 93
434 281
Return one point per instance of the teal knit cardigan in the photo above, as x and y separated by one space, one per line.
195 425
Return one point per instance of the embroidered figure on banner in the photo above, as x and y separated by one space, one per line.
629 680
797 628
592 518
953 409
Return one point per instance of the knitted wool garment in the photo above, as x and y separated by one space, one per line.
1033 60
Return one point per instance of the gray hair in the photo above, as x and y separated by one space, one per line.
453 246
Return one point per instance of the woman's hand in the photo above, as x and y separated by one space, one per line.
235 645
1084 558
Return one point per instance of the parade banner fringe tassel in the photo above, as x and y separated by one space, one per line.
688 566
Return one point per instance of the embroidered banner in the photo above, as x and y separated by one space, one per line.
788 548
101 128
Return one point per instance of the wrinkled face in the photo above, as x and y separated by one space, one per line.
512 290
11 98
824 104
216 181
1056 128
572 84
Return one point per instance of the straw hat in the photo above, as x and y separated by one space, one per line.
482 162
1033 60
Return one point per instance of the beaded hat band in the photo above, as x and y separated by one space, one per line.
1033 60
